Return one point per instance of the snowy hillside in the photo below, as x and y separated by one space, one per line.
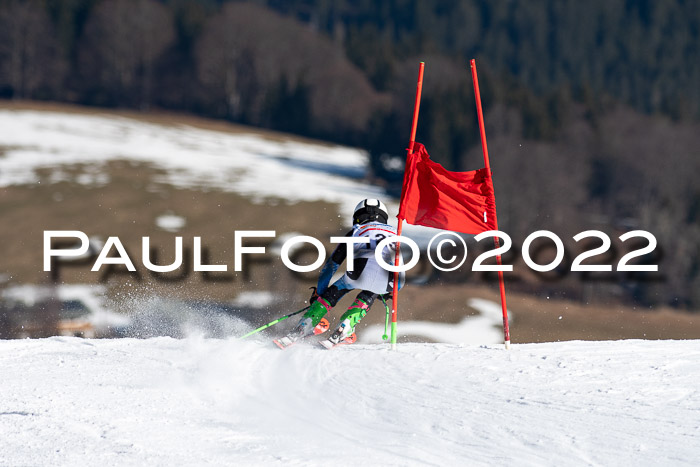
249 164
67 401
245 163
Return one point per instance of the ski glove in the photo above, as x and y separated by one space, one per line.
314 295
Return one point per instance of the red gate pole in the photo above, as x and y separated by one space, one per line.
395 291
485 150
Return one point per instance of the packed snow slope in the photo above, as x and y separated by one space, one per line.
161 401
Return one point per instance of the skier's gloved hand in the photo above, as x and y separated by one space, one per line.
314 295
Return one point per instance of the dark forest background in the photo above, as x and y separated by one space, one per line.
592 108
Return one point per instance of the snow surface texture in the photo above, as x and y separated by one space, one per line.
170 222
161 401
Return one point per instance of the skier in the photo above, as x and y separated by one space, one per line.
369 221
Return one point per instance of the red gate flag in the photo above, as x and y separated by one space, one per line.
435 197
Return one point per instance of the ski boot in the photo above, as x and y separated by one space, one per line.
345 333
312 323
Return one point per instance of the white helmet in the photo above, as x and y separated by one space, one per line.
370 210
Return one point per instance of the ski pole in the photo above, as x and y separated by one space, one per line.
272 323
386 323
